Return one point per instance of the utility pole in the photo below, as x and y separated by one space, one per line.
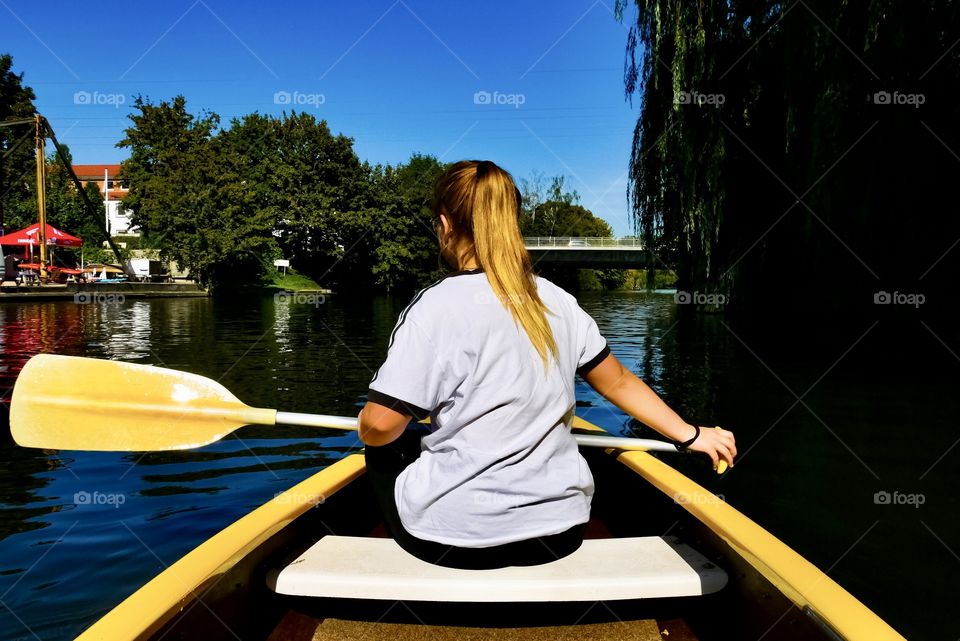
2 194
41 197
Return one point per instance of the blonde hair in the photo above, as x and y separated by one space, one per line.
482 204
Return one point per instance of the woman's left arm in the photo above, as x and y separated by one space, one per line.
621 387
379 425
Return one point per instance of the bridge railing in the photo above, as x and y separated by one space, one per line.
581 242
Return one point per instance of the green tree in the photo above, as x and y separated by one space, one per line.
316 182
398 232
416 179
18 205
549 209
195 206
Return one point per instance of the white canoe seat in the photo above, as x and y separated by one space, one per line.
601 570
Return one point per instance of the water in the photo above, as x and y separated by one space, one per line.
79 531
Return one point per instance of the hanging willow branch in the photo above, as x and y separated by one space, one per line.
762 161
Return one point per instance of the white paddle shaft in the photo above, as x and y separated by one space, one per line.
586 440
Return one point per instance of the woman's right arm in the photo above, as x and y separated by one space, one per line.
621 387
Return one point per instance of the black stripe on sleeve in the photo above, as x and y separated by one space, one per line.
593 362
397 405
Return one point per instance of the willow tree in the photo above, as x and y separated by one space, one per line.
797 156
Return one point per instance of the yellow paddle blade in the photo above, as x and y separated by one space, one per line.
72 403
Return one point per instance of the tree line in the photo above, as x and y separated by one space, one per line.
225 202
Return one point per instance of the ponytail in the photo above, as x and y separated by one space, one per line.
483 205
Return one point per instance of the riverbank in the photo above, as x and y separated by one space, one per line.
97 292
292 281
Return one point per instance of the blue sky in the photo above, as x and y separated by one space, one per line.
398 76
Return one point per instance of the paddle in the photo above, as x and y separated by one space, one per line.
73 403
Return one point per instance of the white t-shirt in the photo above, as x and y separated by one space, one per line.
500 463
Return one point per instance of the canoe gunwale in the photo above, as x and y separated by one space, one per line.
810 589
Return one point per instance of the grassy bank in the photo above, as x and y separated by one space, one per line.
292 281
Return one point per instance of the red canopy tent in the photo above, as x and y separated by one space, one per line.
28 236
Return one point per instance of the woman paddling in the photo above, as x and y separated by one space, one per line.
489 353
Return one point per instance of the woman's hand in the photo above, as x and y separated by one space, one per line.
717 443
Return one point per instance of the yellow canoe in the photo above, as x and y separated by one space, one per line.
221 589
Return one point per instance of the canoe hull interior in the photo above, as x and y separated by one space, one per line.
237 603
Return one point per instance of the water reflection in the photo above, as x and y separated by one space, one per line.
296 357
130 331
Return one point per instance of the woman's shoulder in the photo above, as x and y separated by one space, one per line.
551 289
439 298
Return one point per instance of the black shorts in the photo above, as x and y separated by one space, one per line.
384 464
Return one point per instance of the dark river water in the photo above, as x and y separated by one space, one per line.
810 470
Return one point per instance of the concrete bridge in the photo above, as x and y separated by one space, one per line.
588 252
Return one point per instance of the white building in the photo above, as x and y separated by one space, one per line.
113 188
